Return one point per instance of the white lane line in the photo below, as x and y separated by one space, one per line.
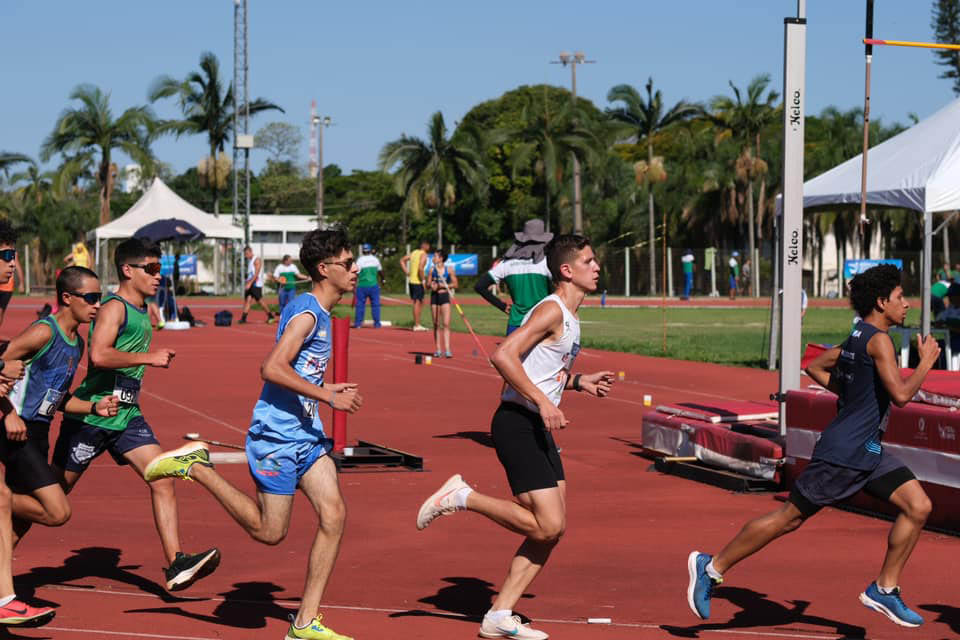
126 634
195 412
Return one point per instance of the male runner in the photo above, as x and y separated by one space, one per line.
414 265
848 456
253 286
535 362
119 353
287 446
51 349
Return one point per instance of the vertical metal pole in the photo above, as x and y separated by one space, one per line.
577 205
26 264
927 271
246 121
626 271
868 56
320 174
670 271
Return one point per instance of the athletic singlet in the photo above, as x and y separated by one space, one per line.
47 375
416 265
528 282
863 406
436 277
282 414
133 336
548 364
252 270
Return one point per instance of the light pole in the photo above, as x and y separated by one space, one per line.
573 60
320 124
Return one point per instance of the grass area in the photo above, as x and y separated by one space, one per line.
724 336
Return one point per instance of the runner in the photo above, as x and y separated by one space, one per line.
51 349
442 278
535 362
414 265
286 276
848 457
287 445
119 353
524 269
253 286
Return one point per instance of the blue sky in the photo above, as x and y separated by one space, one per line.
380 69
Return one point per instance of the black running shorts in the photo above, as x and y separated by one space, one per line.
5 299
254 292
26 461
525 449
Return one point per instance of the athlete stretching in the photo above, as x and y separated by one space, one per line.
848 457
119 353
535 362
286 446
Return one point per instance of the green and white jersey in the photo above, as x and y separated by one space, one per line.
529 282
133 337
369 266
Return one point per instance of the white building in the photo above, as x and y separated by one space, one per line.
274 236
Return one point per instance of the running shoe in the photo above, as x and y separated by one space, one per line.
437 354
700 588
177 463
187 568
449 354
313 631
509 627
419 327
17 613
271 319
890 605
441 503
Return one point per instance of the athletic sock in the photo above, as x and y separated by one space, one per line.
712 572
497 616
886 590
460 497
7 600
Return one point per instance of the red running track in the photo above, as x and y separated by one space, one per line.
623 556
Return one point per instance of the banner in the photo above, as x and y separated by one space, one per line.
464 264
853 267
188 264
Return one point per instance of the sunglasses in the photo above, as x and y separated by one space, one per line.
8 255
90 298
346 264
151 268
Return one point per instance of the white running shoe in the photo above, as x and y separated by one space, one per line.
441 503
419 327
509 627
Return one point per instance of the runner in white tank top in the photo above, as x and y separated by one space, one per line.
253 286
536 363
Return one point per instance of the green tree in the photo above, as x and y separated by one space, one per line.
206 107
945 23
9 159
91 127
282 141
647 117
433 173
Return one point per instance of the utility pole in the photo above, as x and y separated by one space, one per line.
573 60
320 124
241 121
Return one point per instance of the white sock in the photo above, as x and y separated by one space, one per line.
7 600
497 616
712 572
460 497
887 590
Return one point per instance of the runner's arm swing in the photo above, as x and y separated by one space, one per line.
105 356
820 369
902 391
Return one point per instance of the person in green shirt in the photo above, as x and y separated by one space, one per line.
286 276
368 286
118 355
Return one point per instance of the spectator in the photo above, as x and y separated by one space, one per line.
286 275
734 274
414 265
950 317
938 291
441 272
746 282
367 286
944 273
688 268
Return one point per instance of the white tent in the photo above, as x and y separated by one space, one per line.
918 169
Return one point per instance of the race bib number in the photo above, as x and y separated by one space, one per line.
127 390
50 403
310 407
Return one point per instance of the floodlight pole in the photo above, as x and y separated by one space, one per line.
320 124
573 60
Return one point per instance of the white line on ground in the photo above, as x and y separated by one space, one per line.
194 411
127 634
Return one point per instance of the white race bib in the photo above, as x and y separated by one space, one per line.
50 403
126 389
310 407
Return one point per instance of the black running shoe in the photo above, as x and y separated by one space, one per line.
188 568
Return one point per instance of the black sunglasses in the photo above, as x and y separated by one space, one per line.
346 264
8 255
151 268
90 298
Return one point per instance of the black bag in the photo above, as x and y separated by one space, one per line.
223 319
187 316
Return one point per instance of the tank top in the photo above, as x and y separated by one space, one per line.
863 406
282 414
439 275
416 265
252 269
133 337
548 364
47 375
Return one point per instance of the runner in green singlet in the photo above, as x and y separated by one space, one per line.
119 352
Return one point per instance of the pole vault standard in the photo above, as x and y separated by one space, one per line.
868 57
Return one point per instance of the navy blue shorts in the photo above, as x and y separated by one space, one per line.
416 291
822 483
80 443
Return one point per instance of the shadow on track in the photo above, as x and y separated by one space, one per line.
480 437
949 616
464 599
249 605
757 611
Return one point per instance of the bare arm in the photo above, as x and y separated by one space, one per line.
23 283
453 278
821 367
23 347
105 406
902 391
278 370
405 264
105 356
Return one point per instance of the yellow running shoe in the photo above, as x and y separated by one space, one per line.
177 463
313 631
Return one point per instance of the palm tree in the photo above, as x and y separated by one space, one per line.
435 171
646 118
744 120
206 109
9 159
92 128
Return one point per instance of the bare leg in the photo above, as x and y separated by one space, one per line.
320 485
914 507
446 326
164 499
417 311
756 534
246 304
435 310
266 521
46 505
6 541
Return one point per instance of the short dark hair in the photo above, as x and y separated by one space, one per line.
319 245
71 279
8 235
562 249
875 283
442 253
131 250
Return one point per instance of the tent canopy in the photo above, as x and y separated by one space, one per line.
158 202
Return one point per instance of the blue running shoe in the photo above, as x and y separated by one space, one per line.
701 584
890 605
